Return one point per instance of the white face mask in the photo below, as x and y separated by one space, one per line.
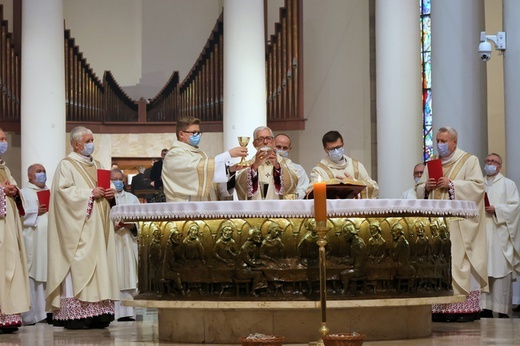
88 149
40 178
282 153
416 179
336 154
490 169
3 148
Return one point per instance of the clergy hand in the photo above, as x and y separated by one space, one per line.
443 183
272 158
234 168
109 193
490 209
98 192
42 209
9 189
347 176
430 184
238 152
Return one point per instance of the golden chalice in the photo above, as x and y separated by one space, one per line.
243 141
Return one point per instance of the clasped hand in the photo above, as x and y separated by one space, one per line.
101 192
263 156
442 183
9 189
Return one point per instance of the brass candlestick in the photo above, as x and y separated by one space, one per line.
321 230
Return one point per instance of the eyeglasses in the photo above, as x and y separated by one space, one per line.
263 139
193 132
338 147
493 162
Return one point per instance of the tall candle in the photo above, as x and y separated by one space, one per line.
320 201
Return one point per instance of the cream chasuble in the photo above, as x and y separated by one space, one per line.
468 236
188 174
328 169
288 179
14 279
81 245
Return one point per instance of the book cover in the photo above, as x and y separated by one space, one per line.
435 169
44 197
103 178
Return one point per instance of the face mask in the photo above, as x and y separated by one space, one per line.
41 178
119 185
3 148
490 169
443 150
88 149
282 153
416 179
337 154
195 139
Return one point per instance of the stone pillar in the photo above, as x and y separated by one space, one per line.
42 86
458 76
244 70
511 88
399 106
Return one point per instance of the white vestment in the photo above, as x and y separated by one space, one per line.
35 238
126 252
409 194
468 236
503 238
82 258
188 174
328 169
303 179
14 279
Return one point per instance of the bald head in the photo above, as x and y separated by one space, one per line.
37 175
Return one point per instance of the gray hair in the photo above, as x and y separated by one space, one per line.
453 133
76 135
260 128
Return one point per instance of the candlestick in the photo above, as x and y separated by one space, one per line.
320 203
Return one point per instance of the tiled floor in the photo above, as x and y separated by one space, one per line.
144 332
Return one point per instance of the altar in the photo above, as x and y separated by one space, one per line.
220 270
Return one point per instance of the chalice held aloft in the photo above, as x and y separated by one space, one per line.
243 142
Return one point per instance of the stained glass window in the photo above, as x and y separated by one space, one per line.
426 69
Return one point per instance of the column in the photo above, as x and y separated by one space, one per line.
399 106
244 70
511 13
42 86
458 76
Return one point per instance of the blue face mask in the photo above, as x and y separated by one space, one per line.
41 178
443 150
282 153
195 139
88 149
119 185
490 169
3 148
337 154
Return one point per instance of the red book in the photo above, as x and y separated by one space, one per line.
486 200
43 197
434 169
103 178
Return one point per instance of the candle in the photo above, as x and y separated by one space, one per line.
320 201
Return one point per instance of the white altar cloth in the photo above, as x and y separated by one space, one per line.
293 209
